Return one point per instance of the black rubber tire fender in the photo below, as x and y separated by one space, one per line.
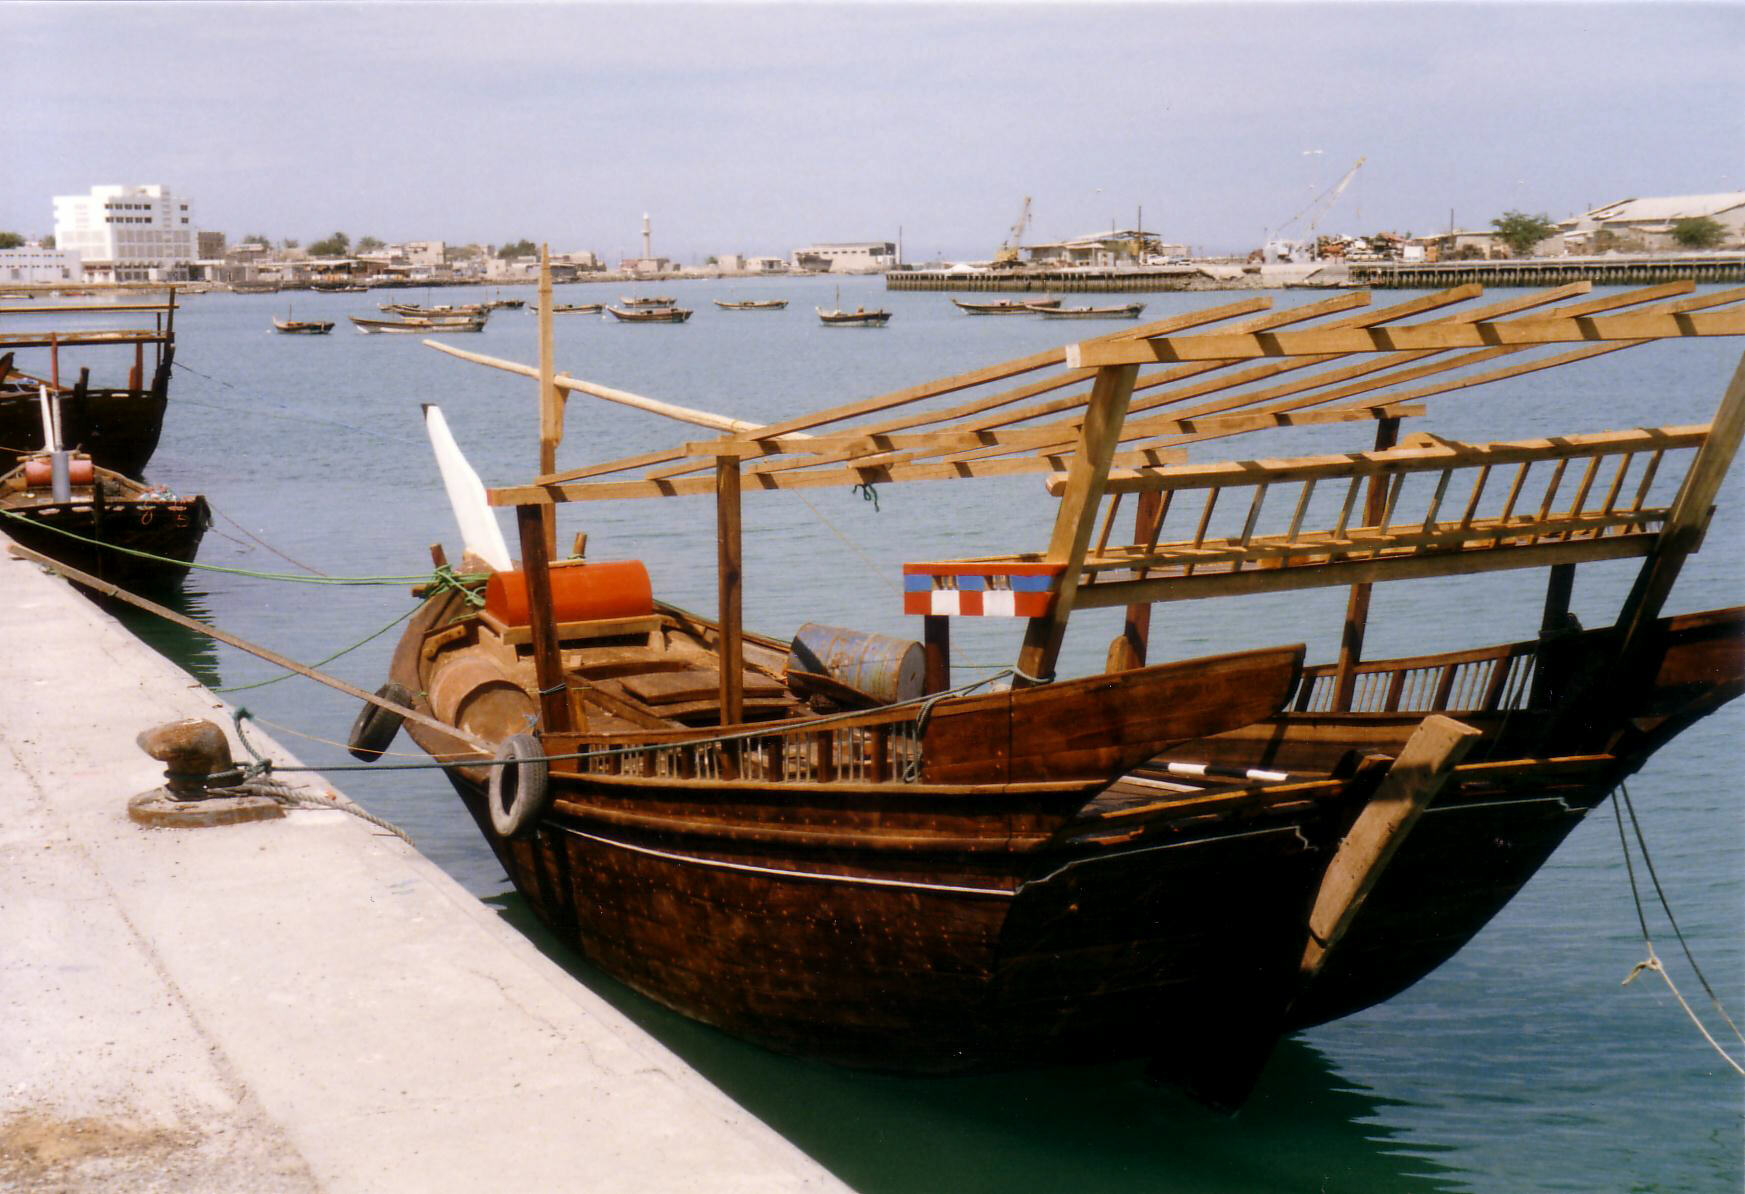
520 788
375 727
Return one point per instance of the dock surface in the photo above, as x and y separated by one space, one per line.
303 1004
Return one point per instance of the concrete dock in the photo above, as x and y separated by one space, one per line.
302 1004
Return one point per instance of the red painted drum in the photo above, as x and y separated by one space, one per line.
579 593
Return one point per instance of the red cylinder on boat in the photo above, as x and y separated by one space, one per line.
579 593
40 471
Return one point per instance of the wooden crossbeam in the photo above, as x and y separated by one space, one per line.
1407 338
1413 458
78 339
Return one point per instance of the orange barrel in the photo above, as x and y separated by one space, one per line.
885 668
40 471
579 593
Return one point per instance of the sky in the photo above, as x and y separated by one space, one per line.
758 129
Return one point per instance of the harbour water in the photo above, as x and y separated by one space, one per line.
1520 1065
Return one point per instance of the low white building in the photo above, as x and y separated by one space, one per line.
766 265
33 263
865 257
128 233
1651 221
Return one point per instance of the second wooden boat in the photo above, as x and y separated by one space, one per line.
101 520
653 301
751 304
418 327
1124 311
303 327
651 315
1007 306
859 317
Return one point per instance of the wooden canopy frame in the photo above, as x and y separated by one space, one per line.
1117 414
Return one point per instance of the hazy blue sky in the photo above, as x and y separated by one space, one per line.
756 129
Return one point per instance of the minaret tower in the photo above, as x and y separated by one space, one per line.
647 243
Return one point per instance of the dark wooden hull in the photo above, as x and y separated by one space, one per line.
1014 908
118 428
169 529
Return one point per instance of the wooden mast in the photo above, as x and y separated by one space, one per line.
537 524
1387 434
729 562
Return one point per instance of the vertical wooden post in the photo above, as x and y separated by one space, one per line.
54 362
936 643
1387 434
729 561
550 397
1558 589
1128 651
1105 414
554 706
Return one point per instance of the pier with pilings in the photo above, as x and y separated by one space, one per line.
1550 271
1059 281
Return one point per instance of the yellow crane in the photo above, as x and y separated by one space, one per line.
1007 256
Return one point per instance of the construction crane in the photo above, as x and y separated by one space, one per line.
1322 203
1007 257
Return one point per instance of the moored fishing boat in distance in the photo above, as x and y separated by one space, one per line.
751 304
415 326
634 303
117 424
1180 860
572 308
1007 306
100 518
859 317
339 287
1124 311
651 315
440 311
303 327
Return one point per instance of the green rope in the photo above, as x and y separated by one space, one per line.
285 576
324 662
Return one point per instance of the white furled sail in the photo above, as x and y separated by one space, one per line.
479 531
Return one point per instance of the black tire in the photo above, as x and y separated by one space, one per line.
375 726
520 789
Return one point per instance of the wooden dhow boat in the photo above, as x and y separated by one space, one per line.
574 308
118 424
1124 311
752 304
100 518
652 301
859 317
303 327
440 311
1178 860
418 326
1006 306
651 314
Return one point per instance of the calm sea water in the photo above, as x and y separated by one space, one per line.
1520 1065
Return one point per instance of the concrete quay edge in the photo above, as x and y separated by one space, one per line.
304 1004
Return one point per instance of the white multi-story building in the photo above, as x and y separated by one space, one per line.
128 233
33 263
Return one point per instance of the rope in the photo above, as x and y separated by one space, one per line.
1652 961
268 546
285 576
867 494
293 797
880 573
324 662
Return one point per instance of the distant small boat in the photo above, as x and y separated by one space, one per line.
859 317
338 287
627 301
651 315
235 288
303 327
507 304
468 311
1130 311
426 327
1007 306
571 308
752 304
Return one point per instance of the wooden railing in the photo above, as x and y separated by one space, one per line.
1599 509
1484 680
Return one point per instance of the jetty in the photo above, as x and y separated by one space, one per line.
1550 271
295 1004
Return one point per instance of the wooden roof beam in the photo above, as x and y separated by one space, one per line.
1432 337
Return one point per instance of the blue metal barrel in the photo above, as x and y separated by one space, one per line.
885 668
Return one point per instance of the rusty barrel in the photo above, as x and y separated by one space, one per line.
885 668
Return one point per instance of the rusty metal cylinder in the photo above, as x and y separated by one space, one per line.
885 668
